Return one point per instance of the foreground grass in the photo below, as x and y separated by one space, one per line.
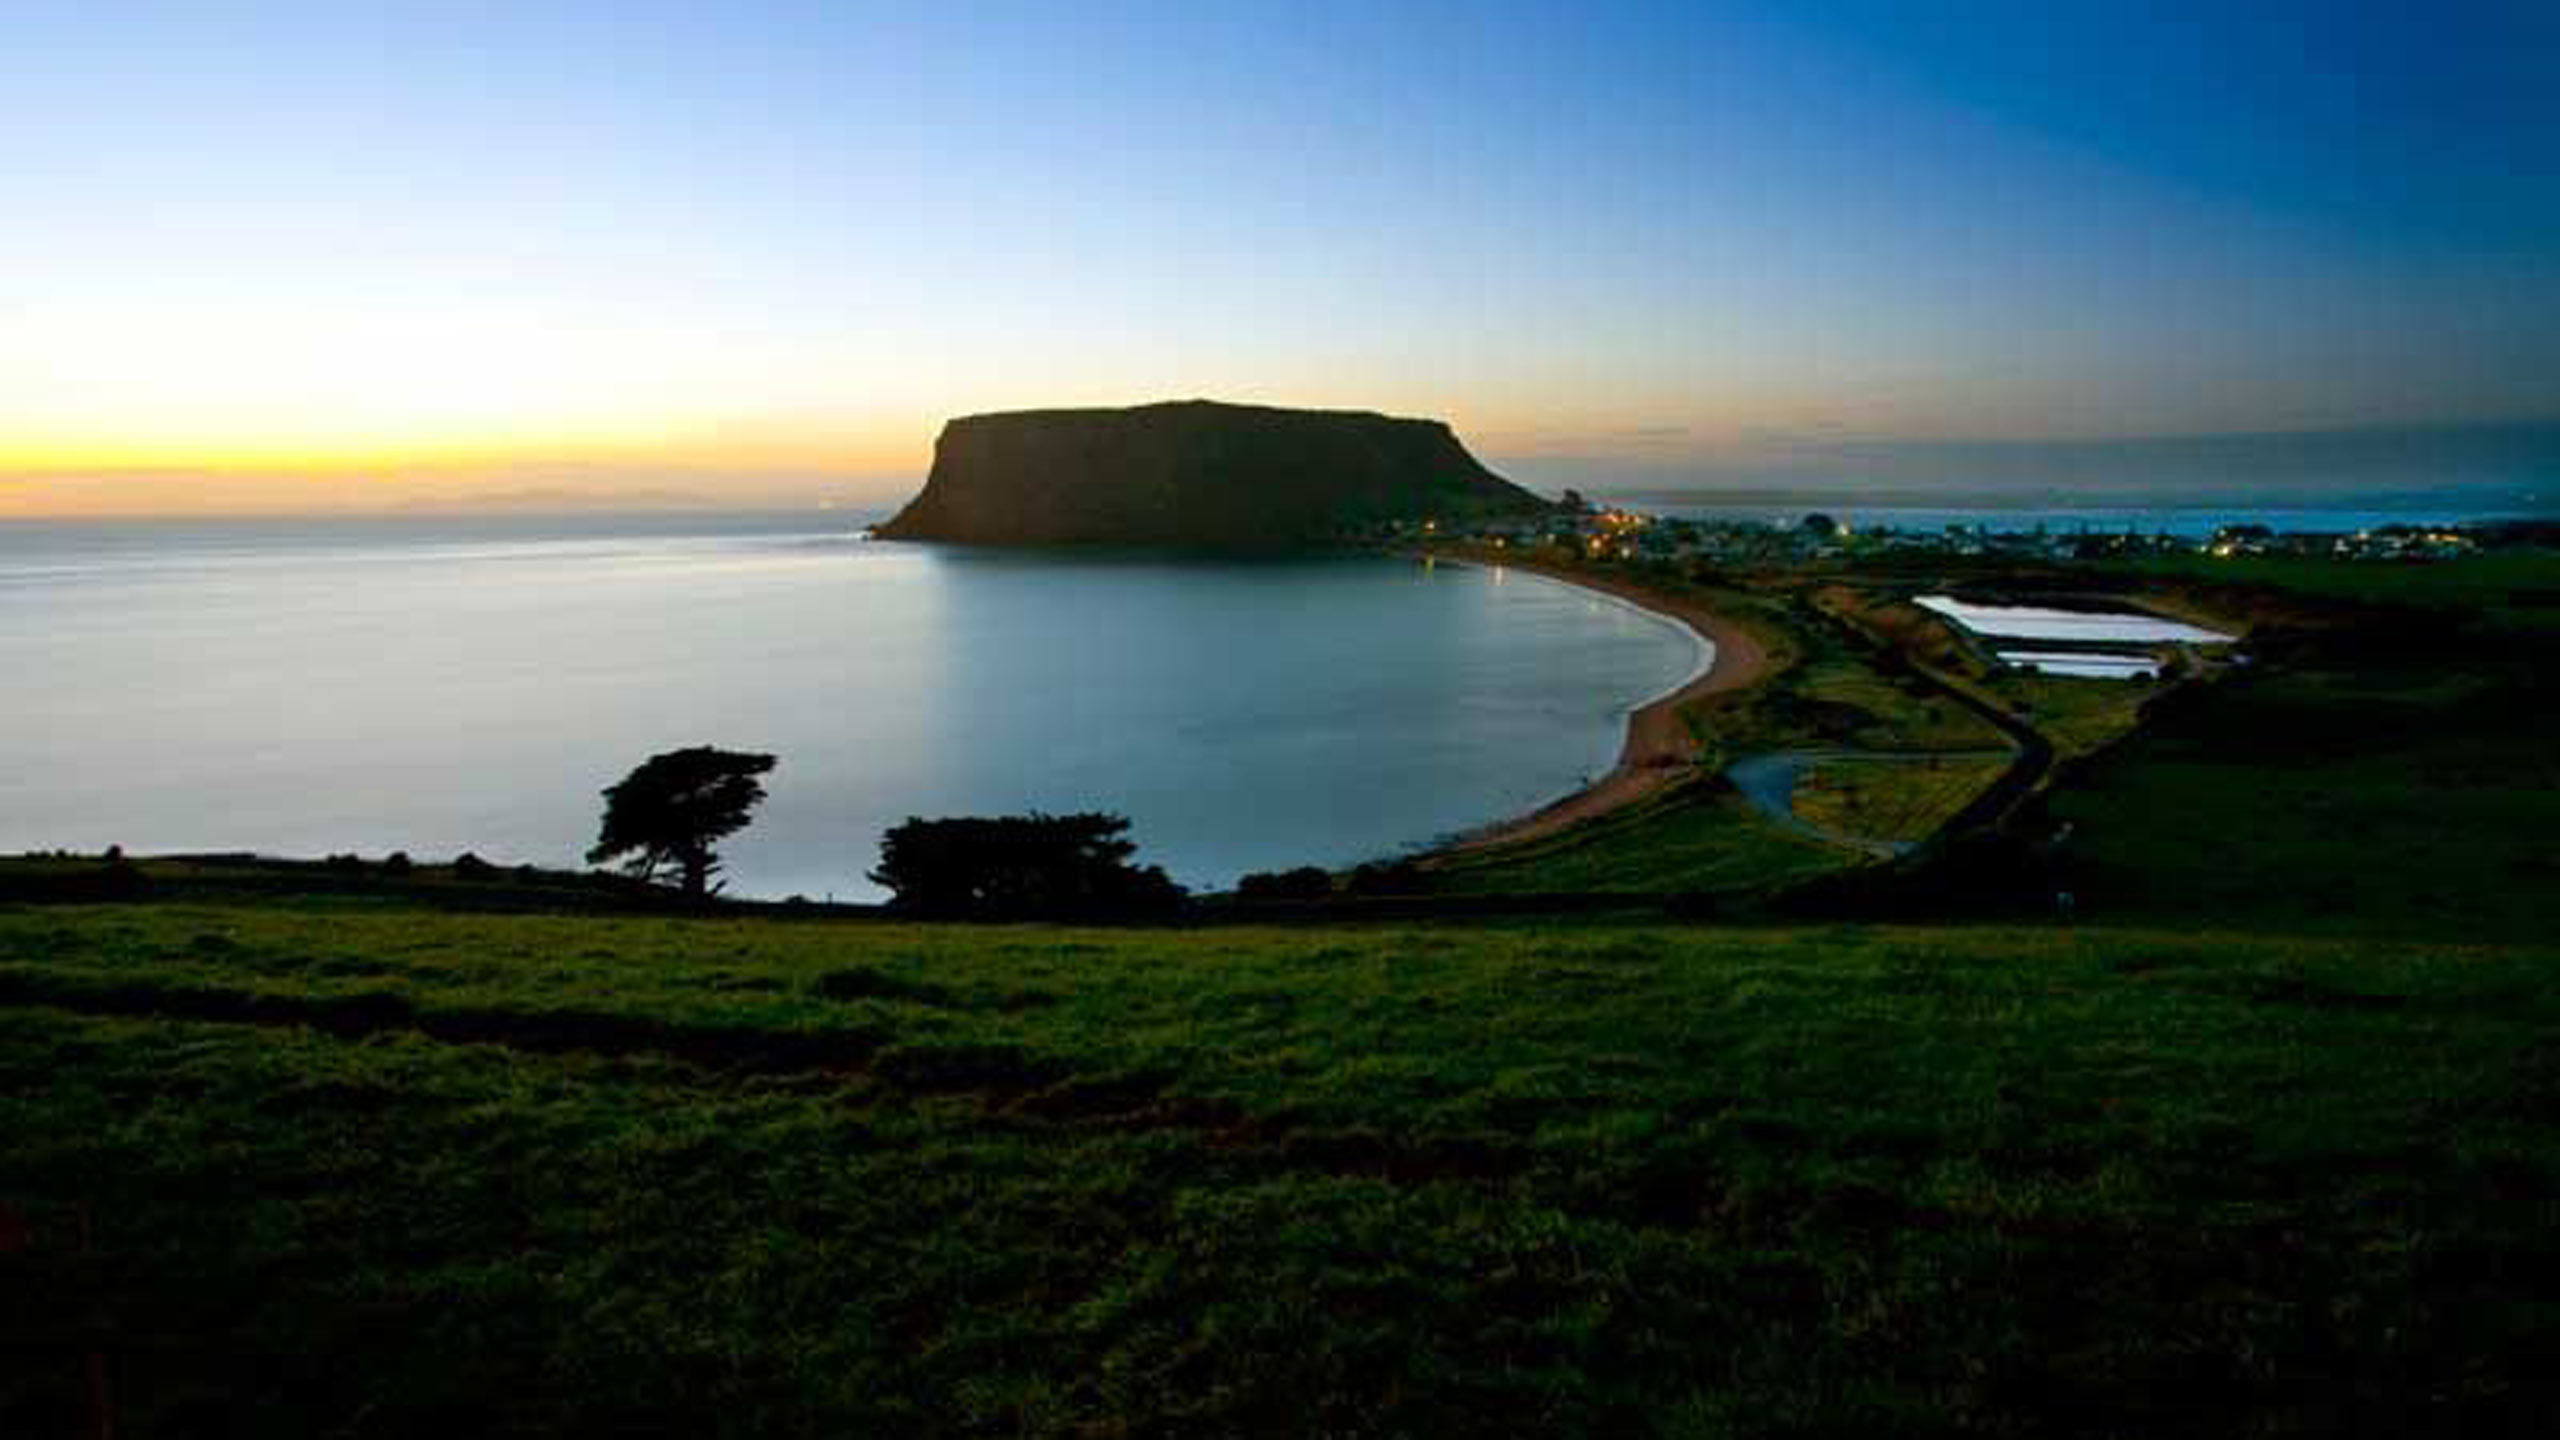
356 1168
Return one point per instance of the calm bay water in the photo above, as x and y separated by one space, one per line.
305 688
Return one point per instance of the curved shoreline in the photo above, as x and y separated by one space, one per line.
1658 748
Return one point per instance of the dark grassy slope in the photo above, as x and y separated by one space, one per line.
2391 761
1694 838
351 1167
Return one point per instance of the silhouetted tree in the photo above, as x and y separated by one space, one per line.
1020 867
668 813
1821 526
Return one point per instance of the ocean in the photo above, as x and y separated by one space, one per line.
439 685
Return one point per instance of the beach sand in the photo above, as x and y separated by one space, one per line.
1659 748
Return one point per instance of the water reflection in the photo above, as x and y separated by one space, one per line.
434 691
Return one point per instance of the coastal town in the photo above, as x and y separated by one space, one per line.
1610 532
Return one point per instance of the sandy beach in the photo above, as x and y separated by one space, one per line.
1659 748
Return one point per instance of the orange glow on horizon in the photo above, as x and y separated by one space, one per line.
746 464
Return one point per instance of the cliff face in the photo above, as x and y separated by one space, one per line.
1194 473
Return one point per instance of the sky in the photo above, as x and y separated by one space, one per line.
311 256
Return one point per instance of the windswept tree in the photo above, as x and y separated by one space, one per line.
669 813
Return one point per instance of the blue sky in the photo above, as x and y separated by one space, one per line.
284 253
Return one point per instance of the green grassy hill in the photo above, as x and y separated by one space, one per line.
2389 762
2269 1144
382 1167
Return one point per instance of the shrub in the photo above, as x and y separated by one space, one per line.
1401 877
116 880
1307 882
1021 867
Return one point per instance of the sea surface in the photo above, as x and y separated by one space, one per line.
442 685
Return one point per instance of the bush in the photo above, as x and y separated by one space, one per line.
467 866
1402 877
396 863
1307 882
1021 867
114 881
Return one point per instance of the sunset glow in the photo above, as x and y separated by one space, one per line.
1339 717
348 256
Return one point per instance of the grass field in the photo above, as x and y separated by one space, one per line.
377 1168
2382 758
1696 837
2079 716
1893 800
1832 692
2269 1145
2389 768
2512 589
